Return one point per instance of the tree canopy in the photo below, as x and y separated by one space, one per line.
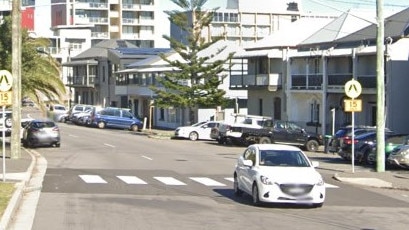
196 80
40 73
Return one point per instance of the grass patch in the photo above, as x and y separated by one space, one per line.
6 192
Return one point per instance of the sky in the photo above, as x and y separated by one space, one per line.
318 6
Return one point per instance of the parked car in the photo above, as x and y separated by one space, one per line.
278 174
58 112
391 143
113 117
360 143
79 108
197 131
399 157
344 133
41 132
6 122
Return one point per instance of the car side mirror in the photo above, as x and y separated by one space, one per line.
315 164
248 163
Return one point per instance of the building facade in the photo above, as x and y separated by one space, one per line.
130 20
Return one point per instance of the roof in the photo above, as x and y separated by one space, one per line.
291 35
346 24
396 26
101 48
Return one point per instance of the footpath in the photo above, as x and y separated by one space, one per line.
27 171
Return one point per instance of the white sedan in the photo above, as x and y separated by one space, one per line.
278 174
197 131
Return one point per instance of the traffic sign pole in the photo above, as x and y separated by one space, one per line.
6 82
353 89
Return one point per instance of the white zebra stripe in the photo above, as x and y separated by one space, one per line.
169 181
93 179
131 180
207 181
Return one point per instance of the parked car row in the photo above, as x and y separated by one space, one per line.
108 117
365 148
252 130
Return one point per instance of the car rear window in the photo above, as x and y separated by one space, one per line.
45 124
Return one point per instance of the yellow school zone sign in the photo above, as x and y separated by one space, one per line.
6 82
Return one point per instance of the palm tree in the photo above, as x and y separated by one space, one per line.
40 73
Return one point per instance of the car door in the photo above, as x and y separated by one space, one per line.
246 172
205 130
280 131
126 119
295 134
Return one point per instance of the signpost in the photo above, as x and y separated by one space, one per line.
6 81
353 89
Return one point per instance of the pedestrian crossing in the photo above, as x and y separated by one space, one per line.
171 181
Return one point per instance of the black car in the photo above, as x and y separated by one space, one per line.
41 132
345 133
360 143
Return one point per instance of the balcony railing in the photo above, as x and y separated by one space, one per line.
83 81
246 81
335 81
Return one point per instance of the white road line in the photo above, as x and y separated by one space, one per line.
207 181
169 181
330 186
112 146
147 157
229 179
72 135
131 180
93 179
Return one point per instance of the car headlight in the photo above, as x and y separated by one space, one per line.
265 180
405 152
320 182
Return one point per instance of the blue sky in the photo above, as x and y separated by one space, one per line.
320 6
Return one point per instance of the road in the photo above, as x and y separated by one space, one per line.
114 179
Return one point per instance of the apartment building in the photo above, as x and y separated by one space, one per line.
130 20
247 21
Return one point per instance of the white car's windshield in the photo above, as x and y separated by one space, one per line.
283 158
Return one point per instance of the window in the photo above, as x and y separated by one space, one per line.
315 112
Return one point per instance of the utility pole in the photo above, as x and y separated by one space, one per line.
380 89
16 72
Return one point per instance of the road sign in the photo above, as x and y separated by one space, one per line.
6 80
353 89
353 105
5 98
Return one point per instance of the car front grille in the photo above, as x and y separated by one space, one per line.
296 189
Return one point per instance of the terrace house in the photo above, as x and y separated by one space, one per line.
314 71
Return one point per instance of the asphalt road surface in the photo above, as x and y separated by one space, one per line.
115 179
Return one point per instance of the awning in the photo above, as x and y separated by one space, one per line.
148 70
80 62
271 53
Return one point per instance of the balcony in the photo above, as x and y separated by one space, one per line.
99 35
256 81
83 81
335 81
303 81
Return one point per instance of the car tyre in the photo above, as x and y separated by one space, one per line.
101 125
8 123
312 146
265 140
255 195
237 190
193 136
134 128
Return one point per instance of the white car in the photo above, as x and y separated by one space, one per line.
278 174
197 131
